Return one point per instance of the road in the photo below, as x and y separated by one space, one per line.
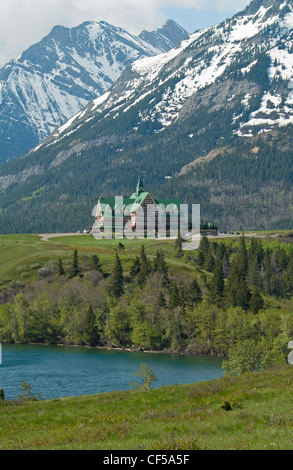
46 236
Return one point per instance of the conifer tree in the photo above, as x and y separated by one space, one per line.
236 291
174 300
194 294
117 279
96 263
203 250
242 258
209 263
268 271
216 287
135 268
60 268
160 266
89 327
145 267
75 270
161 301
178 245
253 273
256 302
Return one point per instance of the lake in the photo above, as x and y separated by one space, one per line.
55 372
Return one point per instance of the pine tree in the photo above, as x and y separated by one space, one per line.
60 268
145 267
194 294
209 263
268 271
256 302
237 293
243 295
216 287
178 246
135 268
253 273
242 258
161 301
89 327
117 280
256 250
160 266
96 263
174 300
203 250
75 271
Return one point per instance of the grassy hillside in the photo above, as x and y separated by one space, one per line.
21 253
185 417
252 411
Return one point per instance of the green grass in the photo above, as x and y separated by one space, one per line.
177 417
182 417
21 250
18 251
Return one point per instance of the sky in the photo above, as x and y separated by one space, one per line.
25 22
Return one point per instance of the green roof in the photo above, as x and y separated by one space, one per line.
136 199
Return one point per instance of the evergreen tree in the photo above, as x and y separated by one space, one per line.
89 327
60 268
243 295
161 301
135 268
203 250
159 265
236 291
145 267
256 302
209 263
174 300
96 263
178 246
117 279
75 271
242 257
216 287
253 273
268 271
256 251
194 294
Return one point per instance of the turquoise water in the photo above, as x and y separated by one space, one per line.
55 372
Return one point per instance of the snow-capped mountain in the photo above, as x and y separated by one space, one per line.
209 121
252 53
56 78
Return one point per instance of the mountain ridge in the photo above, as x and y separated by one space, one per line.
224 87
55 78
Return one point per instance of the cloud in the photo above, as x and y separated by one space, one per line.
25 22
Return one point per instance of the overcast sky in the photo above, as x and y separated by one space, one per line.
25 22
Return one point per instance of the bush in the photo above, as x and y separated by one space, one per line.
45 272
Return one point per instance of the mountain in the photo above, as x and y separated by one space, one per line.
56 78
209 121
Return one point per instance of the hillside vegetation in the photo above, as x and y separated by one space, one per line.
232 297
229 294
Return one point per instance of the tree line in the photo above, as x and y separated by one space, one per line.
221 302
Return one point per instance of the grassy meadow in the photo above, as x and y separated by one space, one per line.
251 412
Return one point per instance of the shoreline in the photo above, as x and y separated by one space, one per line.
119 349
